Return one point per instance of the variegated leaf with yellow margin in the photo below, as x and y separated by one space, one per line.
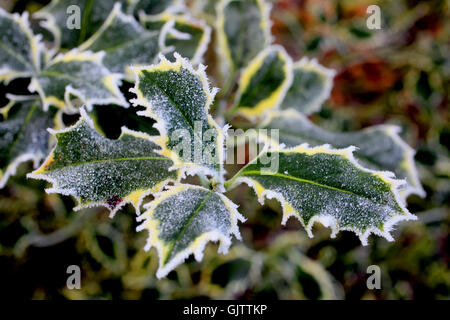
59 15
23 134
379 147
178 97
264 83
20 49
243 30
101 172
78 74
180 32
182 220
311 86
327 185
124 41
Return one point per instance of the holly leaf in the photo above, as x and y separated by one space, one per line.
243 30
77 74
20 50
60 17
264 83
23 134
178 97
311 86
182 220
184 34
378 147
124 41
101 172
327 185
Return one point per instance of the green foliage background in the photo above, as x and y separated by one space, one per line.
399 74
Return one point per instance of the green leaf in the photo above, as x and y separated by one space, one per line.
79 74
243 30
124 41
178 98
378 147
311 86
182 220
56 16
20 50
99 171
328 186
264 83
184 34
23 134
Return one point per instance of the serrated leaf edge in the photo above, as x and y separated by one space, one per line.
49 22
186 19
414 187
115 13
326 73
37 47
329 221
223 48
165 65
112 81
135 198
36 158
198 246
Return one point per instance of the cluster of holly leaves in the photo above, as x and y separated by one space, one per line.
357 181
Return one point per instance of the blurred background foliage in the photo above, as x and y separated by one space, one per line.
399 74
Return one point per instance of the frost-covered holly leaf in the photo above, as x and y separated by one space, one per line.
124 41
178 97
243 30
182 220
20 50
264 83
378 147
328 186
23 134
99 171
182 33
77 74
311 86
62 18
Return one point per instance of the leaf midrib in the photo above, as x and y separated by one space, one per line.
183 230
18 57
280 175
179 110
113 160
174 104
